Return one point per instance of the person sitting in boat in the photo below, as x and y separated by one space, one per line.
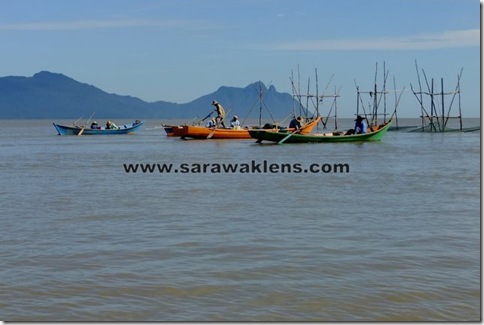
95 126
297 123
211 123
360 126
111 126
220 113
235 122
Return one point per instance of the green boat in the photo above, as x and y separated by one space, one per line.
375 133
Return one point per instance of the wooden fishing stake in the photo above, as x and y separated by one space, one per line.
374 94
440 124
456 92
260 104
443 109
335 106
317 91
260 99
315 99
397 101
297 94
377 97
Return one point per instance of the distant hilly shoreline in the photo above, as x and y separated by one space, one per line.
48 95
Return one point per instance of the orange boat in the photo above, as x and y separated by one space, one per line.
201 132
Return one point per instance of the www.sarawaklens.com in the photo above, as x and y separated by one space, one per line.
252 167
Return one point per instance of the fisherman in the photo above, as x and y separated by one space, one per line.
296 123
360 125
95 126
111 126
235 122
220 113
211 123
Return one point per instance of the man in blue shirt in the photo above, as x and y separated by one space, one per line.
235 122
360 125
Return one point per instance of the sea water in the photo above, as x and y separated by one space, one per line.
394 236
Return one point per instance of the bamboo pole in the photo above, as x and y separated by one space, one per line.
385 76
443 107
317 94
357 100
307 98
432 104
299 88
421 97
396 104
336 108
260 104
460 111
375 101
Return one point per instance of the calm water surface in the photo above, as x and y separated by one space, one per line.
395 239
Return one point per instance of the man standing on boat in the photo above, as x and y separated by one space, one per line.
221 113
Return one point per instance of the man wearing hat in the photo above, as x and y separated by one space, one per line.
220 111
235 121
211 123
360 125
296 123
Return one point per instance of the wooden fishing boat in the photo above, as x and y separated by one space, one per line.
375 133
80 130
201 132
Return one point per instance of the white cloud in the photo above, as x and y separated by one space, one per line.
448 39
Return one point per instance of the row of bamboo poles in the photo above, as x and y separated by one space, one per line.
377 109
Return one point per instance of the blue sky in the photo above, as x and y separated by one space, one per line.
179 50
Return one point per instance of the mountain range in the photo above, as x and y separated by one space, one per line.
56 96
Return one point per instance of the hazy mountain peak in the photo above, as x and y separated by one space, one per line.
54 95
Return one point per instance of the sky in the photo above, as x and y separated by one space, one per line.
179 50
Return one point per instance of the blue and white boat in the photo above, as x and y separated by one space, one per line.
84 130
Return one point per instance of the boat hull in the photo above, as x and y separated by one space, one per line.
263 135
74 130
200 132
